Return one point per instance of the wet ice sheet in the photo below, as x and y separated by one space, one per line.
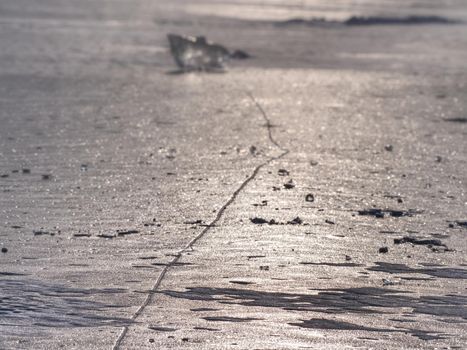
335 10
42 304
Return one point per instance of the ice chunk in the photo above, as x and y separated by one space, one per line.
196 53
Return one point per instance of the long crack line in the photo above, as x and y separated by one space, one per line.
219 215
